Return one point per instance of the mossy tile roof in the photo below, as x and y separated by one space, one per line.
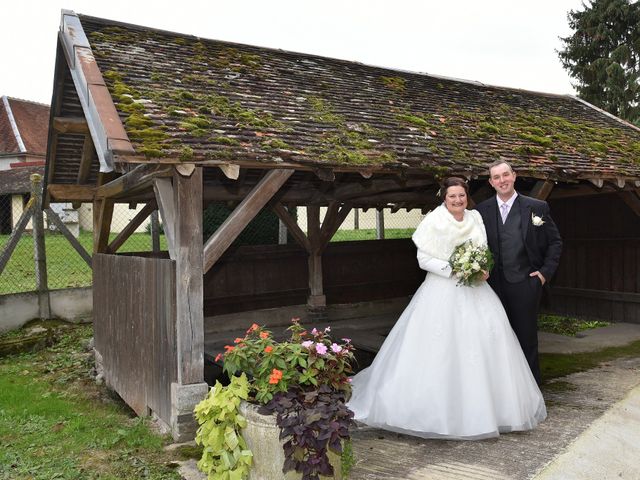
183 98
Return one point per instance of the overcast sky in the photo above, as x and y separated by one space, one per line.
498 42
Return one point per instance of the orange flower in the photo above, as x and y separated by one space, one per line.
253 327
218 357
275 377
268 349
229 348
264 335
238 340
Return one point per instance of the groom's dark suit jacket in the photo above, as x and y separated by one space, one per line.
542 243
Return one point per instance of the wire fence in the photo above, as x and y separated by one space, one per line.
66 268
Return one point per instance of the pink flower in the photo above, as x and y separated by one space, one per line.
321 348
335 348
314 331
346 340
327 330
307 343
349 379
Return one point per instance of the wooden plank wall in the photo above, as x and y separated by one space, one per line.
599 273
134 328
255 277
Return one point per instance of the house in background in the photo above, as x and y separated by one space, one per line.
23 145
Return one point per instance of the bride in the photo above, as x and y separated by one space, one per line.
451 367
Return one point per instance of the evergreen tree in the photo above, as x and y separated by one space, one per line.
603 55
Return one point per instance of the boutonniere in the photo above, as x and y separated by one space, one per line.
536 220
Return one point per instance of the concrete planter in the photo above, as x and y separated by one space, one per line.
262 437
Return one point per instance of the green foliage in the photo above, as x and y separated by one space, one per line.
566 325
225 455
603 55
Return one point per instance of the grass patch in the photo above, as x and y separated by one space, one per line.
56 423
567 325
370 234
554 365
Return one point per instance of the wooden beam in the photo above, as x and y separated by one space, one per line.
88 151
332 221
163 189
131 227
71 193
189 277
632 199
70 125
10 246
542 189
598 182
55 219
224 236
140 178
292 226
580 190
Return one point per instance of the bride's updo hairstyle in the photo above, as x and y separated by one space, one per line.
453 182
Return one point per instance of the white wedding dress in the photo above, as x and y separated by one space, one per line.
451 367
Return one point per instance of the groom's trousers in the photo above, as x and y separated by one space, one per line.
521 300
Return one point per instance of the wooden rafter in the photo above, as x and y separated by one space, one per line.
27 213
131 227
222 238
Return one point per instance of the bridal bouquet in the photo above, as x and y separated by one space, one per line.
469 261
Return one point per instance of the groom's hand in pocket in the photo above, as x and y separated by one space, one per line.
539 275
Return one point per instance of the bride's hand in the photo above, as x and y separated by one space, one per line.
485 275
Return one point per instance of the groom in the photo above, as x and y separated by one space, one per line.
526 246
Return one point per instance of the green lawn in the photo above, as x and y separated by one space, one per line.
65 268
55 423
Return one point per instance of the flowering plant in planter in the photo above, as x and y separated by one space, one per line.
305 382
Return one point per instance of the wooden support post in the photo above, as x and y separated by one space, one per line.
102 216
189 277
259 196
380 224
316 298
55 219
40 254
356 219
155 232
332 221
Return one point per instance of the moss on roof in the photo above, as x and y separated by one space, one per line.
184 97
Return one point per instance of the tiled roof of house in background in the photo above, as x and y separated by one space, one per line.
186 98
29 128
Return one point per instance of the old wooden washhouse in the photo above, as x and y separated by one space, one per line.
176 122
